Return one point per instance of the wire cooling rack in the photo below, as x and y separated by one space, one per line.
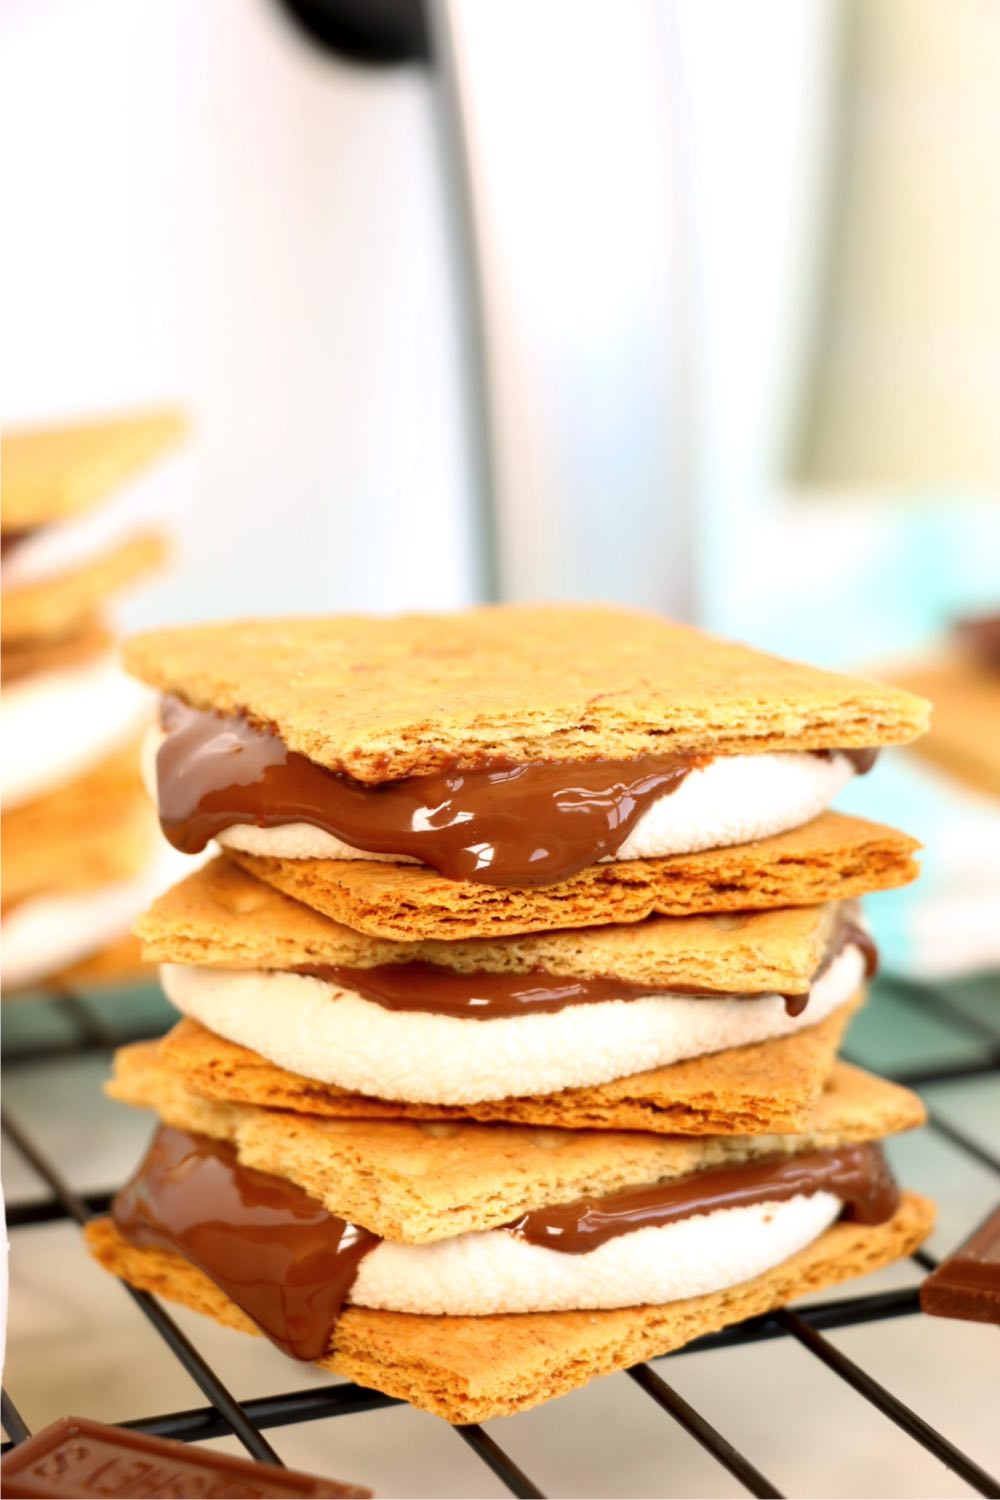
975 1052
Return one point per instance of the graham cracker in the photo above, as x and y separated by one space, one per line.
121 962
221 916
964 737
767 1086
473 1369
86 642
95 830
381 698
54 608
52 473
833 858
417 1182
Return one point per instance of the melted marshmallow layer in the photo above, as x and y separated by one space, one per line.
496 1272
319 1030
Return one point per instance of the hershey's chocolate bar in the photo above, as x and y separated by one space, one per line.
967 1284
77 1458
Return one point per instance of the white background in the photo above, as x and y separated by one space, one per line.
202 208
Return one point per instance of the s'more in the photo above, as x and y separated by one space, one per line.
510 1004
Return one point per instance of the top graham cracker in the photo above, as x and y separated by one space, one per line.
382 698
53 473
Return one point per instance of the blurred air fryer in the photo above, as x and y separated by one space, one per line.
595 202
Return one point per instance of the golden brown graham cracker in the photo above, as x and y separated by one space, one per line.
97 829
473 1369
120 962
52 609
83 644
380 698
964 737
52 473
221 916
767 1086
418 1181
833 858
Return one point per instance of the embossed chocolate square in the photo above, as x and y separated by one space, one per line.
76 1458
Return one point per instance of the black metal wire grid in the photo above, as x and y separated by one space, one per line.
248 1420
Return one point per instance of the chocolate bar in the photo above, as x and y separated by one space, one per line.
967 1284
75 1457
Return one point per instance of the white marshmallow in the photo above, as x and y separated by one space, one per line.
496 1272
737 798
47 933
61 546
324 1032
57 725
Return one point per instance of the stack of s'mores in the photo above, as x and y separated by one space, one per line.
79 844
511 1005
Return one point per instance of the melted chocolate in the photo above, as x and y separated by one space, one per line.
846 931
11 540
861 760
290 1264
509 825
480 996
980 634
858 1175
850 931
274 1250
515 825
486 995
